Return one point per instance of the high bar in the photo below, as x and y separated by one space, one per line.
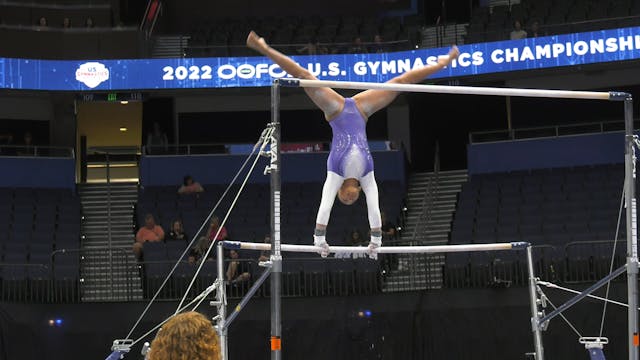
431 249
459 90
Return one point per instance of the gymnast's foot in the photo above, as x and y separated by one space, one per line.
255 42
320 242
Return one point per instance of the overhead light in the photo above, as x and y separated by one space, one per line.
124 102
123 129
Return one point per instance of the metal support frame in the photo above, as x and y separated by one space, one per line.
538 320
632 227
276 257
221 304
535 310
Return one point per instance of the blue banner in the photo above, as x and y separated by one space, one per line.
190 73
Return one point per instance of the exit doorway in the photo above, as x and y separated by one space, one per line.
109 139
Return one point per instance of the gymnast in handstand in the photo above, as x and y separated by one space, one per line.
349 166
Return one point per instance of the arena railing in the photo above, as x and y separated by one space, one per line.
553 29
37 151
546 131
127 280
295 48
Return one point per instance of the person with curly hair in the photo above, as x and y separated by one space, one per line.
187 336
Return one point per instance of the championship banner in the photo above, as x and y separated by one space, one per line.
195 73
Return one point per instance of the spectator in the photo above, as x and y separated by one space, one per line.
388 228
378 45
189 186
535 30
177 232
66 23
205 242
89 23
157 142
27 148
188 335
42 22
237 271
265 254
6 139
149 232
518 32
357 47
310 49
355 238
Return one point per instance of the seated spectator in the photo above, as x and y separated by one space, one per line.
355 239
189 186
518 32
177 232
188 335
310 49
42 22
89 23
389 233
157 142
357 47
388 228
378 46
6 139
149 232
535 30
27 148
205 242
66 23
237 271
265 254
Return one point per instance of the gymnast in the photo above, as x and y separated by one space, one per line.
350 165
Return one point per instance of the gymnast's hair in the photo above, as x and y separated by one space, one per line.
187 336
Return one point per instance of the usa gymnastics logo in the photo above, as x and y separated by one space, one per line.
92 74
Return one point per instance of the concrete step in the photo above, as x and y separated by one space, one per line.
105 284
418 199
100 202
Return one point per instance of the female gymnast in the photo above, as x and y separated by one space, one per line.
349 166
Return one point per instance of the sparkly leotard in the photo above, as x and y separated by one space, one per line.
350 156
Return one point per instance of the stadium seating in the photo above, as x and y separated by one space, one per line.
568 214
553 17
250 221
34 223
226 36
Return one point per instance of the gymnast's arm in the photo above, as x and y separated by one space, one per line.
329 101
370 101
329 190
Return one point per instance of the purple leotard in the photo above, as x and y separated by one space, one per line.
349 147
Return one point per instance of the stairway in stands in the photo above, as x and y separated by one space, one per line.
431 203
109 270
169 46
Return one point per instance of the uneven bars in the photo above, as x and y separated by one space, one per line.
381 250
460 90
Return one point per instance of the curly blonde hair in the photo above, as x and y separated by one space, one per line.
187 336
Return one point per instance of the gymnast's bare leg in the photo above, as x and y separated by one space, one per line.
350 165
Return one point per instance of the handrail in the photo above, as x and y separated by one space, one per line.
32 5
298 45
548 29
36 151
511 134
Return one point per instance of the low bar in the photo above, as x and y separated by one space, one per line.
468 90
382 250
